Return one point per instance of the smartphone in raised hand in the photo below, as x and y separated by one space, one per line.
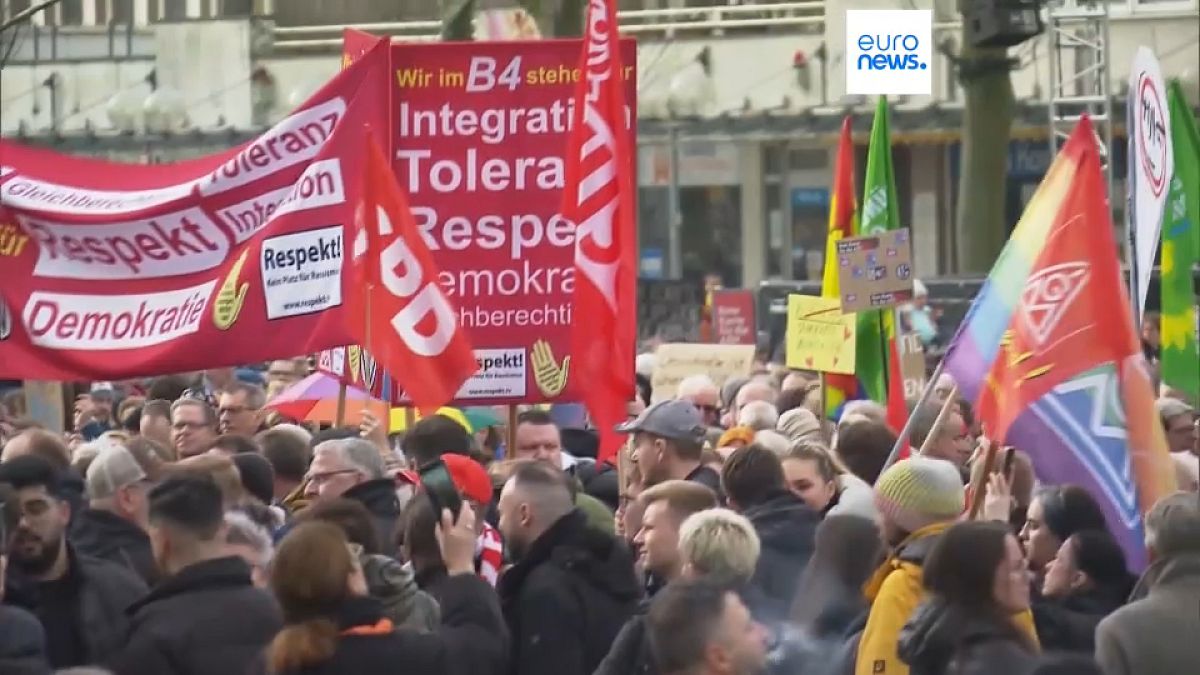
439 486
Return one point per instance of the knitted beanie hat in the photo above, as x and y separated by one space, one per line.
918 492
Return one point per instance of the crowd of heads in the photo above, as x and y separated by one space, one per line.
746 513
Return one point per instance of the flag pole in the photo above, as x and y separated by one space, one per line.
979 484
511 433
925 394
340 415
939 421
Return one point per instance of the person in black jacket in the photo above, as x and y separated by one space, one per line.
352 468
666 506
206 617
755 486
1087 580
22 640
334 627
79 600
113 528
978 581
572 587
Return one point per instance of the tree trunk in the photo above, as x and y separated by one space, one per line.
458 20
983 164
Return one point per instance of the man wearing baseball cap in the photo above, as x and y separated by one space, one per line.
114 526
667 440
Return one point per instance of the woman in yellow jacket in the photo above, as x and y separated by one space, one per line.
918 499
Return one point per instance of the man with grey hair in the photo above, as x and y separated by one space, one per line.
759 416
754 390
572 586
1156 634
114 526
352 468
702 392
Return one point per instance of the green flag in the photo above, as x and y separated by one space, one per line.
880 213
1180 247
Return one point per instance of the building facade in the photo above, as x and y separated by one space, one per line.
739 105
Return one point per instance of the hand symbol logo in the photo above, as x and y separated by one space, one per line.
548 373
231 296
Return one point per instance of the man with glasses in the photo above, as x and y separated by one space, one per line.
240 409
193 426
79 600
114 526
702 392
352 468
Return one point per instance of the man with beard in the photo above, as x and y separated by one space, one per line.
572 586
22 640
80 601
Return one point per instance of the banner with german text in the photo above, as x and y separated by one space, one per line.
479 137
121 271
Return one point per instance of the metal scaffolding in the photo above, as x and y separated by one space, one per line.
1077 41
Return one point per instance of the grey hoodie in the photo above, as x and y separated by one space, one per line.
392 583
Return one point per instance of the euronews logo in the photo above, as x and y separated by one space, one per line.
889 52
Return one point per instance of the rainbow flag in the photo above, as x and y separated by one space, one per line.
843 222
1049 355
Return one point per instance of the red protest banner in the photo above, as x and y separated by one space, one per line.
126 271
479 136
733 317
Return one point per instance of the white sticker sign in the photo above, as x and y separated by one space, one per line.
1151 162
302 272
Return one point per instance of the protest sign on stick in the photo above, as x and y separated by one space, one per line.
819 336
875 272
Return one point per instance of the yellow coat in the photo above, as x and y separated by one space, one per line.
894 592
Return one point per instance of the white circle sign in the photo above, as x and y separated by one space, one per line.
1152 145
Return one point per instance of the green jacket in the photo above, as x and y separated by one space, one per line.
598 515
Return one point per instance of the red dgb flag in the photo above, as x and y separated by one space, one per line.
598 197
408 323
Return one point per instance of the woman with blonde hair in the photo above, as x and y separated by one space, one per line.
331 624
817 476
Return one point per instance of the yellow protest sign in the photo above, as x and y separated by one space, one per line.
819 336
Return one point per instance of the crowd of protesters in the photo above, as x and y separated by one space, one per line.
181 527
